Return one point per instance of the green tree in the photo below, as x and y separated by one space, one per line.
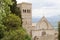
12 21
13 7
59 31
14 29
15 10
17 35
2 30
10 24
4 10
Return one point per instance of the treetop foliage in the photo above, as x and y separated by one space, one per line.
10 23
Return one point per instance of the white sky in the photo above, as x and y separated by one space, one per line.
46 8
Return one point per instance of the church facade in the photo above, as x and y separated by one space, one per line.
42 30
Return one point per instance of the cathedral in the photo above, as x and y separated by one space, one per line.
42 30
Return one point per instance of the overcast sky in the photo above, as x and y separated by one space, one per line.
45 8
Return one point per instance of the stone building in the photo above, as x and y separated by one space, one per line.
42 30
26 13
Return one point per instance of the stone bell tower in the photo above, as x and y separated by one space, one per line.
26 13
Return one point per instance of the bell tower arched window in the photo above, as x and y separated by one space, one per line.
24 10
28 11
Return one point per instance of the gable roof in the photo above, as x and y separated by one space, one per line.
43 19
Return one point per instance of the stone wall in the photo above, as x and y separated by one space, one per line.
45 38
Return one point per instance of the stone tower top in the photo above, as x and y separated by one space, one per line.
25 7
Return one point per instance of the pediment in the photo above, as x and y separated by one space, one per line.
44 24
